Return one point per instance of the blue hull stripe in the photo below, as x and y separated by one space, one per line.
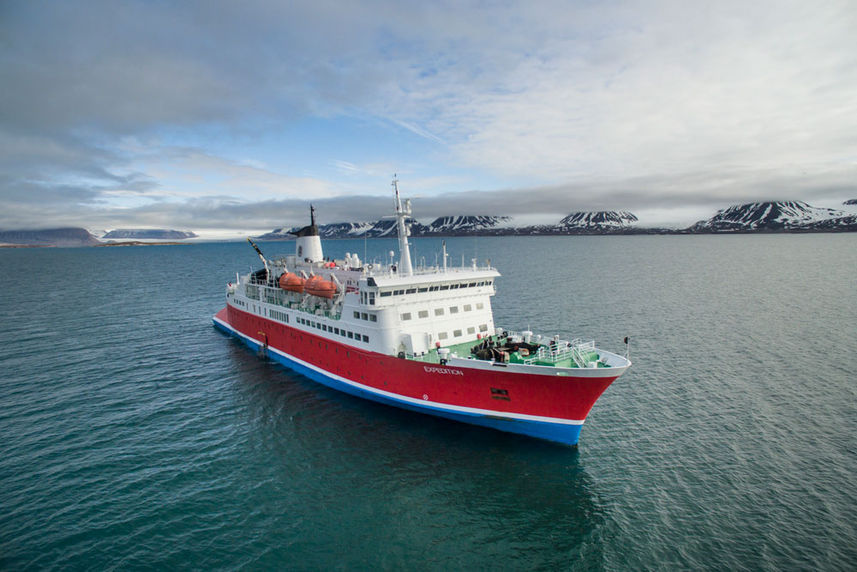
561 431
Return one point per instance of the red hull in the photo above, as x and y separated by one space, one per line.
508 394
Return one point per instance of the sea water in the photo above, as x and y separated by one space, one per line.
135 435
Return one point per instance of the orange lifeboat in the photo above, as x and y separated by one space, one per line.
318 286
292 282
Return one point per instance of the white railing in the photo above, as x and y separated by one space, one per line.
580 352
555 350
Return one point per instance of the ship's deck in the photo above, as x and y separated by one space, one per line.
555 359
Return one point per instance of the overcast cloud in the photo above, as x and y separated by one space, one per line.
228 116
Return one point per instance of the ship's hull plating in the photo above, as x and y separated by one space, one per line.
546 407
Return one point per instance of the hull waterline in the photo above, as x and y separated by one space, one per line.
545 427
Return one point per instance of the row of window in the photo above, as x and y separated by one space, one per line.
435 288
440 311
281 316
365 316
337 331
458 333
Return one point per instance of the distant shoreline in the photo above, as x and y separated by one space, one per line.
624 232
141 243
127 243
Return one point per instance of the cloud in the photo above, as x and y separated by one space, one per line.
209 107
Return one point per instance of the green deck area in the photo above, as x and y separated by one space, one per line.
462 350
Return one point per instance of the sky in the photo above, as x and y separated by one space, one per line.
229 118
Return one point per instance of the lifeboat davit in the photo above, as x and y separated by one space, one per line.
318 286
292 282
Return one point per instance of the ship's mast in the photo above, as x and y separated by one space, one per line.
405 268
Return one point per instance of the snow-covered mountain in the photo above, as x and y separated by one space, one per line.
589 222
148 234
598 220
344 229
386 227
49 237
773 216
466 224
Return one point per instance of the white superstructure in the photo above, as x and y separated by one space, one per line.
392 309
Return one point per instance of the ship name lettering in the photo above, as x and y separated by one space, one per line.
443 370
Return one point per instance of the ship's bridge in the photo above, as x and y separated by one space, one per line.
427 309
392 289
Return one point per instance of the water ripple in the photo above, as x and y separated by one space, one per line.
136 436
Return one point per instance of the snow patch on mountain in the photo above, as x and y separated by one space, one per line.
148 234
49 237
344 229
592 220
774 216
465 224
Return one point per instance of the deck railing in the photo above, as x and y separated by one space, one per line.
555 350
581 351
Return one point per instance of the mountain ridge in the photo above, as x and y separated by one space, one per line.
65 236
764 216
148 234
776 216
756 217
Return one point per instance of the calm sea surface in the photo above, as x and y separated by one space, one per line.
134 435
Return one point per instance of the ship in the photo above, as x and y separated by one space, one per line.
418 338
